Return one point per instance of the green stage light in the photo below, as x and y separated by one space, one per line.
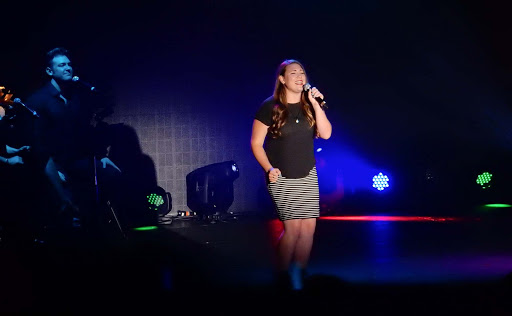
159 201
484 180
155 200
496 205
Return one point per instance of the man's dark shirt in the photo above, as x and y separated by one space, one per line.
63 130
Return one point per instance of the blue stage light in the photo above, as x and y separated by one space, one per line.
380 181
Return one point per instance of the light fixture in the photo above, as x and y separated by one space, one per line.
484 179
380 181
159 201
210 188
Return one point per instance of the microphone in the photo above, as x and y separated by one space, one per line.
86 84
17 100
320 101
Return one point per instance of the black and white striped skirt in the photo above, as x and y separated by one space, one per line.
296 198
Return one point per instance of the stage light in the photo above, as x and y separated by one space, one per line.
155 200
159 201
319 150
430 175
210 188
484 180
380 181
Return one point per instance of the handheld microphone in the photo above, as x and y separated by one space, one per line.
17 100
87 85
320 101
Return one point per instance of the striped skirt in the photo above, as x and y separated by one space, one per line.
296 198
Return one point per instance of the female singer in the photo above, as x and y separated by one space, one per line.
283 132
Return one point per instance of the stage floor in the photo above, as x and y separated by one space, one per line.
401 265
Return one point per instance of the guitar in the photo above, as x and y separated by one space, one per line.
6 101
5 97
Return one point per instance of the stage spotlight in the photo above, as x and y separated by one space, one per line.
430 176
159 201
210 188
380 181
484 180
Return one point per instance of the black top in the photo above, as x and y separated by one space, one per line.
64 131
293 151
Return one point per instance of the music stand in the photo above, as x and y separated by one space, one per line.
98 202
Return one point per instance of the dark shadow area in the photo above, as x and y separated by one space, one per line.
265 206
30 210
74 270
27 202
195 268
138 177
332 294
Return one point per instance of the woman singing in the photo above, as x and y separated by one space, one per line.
283 133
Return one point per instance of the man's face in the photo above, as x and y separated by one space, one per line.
61 69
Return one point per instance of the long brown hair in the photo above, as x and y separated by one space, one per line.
280 111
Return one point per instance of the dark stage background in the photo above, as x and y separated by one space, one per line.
413 87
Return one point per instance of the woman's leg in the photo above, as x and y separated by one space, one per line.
287 243
304 242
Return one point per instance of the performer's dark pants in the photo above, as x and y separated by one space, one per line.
86 186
